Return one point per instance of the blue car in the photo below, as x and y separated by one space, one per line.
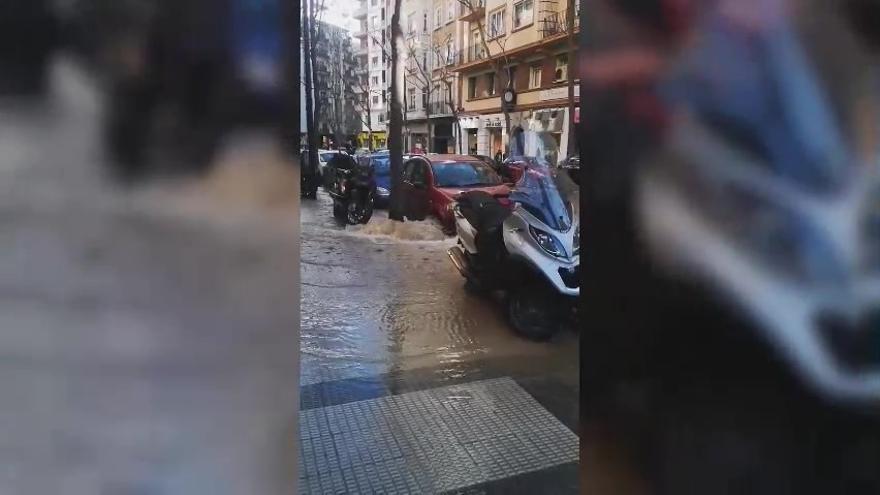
382 173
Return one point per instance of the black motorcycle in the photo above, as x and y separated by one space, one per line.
310 178
352 186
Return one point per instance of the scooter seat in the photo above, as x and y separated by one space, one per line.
482 210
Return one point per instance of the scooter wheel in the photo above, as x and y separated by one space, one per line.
531 313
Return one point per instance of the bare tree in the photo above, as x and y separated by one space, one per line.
498 59
364 109
445 76
395 123
422 75
308 79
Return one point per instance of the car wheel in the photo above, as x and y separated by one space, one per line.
531 313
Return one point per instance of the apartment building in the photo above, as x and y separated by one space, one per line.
523 43
334 86
373 74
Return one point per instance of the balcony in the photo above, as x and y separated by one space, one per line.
361 51
475 53
440 108
474 10
361 34
360 12
554 24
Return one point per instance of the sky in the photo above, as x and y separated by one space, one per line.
339 13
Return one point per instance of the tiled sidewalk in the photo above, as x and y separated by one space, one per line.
431 441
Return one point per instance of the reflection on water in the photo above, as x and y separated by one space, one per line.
373 303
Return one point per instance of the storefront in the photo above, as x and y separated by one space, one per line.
379 140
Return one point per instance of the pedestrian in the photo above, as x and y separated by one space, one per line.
499 157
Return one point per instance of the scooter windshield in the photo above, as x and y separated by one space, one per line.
543 191
548 195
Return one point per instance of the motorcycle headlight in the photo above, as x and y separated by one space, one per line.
547 242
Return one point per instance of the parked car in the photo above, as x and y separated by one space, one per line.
572 165
512 168
325 156
431 184
381 163
487 160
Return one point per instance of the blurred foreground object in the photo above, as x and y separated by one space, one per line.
732 180
28 34
181 74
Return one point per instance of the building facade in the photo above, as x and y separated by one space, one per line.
335 91
521 44
372 74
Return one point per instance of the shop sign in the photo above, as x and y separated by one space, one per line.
493 123
560 93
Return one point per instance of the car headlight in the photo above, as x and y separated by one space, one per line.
577 241
381 191
547 242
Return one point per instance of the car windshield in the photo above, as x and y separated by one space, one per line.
551 196
464 174
327 156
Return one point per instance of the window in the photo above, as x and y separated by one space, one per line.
523 13
425 60
384 99
376 60
425 22
375 100
450 53
476 46
375 80
472 88
383 76
438 18
561 67
381 117
375 3
490 84
496 23
450 10
535 76
374 21
412 98
411 22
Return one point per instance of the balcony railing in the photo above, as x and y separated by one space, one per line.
555 23
472 10
440 108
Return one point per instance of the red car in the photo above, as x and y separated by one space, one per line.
431 184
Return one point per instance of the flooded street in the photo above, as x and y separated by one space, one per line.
375 303
385 316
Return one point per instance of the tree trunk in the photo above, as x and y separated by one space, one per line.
311 131
314 36
395 123
572 53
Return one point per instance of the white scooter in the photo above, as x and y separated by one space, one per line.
530 252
